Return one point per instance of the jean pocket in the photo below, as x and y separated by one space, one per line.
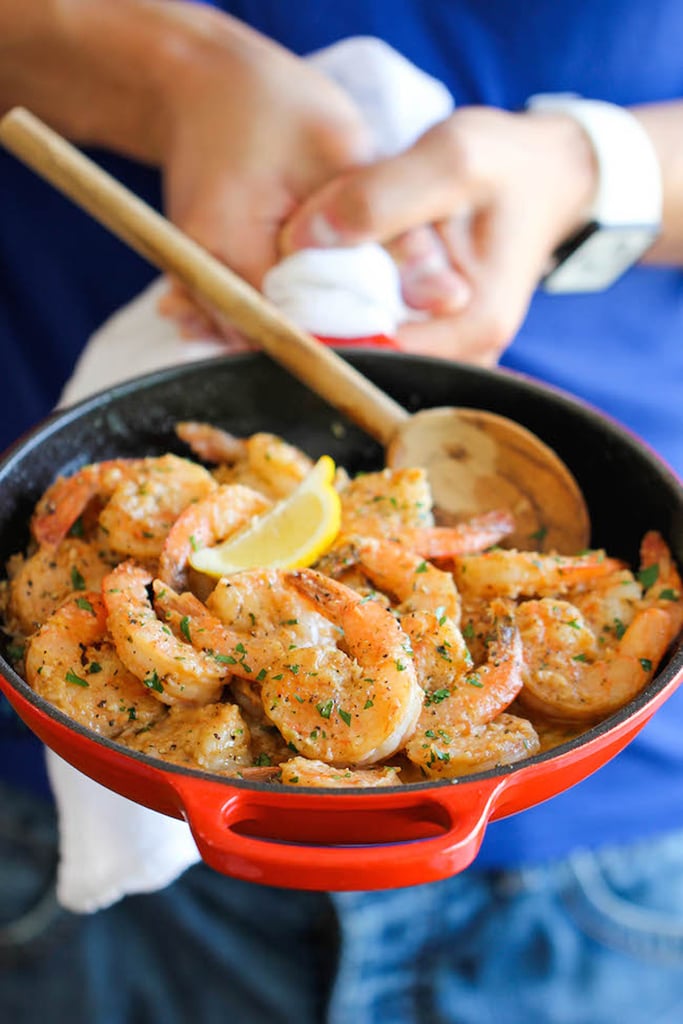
631 898
30 917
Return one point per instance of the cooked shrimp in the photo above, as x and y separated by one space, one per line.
214 738
204 524
378 504
610 604
301 771
446 750
397 504
209 443
172 669
474 534
270 465
41 582
141 511
191 621
452 734
73 664
429 607
416 583
262 607
661 579
568 675
350 706
65 500
480 692
510 573
263 461
439 649
142 498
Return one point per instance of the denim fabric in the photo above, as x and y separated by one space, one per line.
596 939
207 950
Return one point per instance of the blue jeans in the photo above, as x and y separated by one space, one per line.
595 939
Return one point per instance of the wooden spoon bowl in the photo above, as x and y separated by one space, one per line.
476 461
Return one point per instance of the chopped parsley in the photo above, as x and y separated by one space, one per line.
225 659
436 696
77 581
76 528
71 677
325 710
648 577
153 682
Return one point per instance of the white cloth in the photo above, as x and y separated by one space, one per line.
109 846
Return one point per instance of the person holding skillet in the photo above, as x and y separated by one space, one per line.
573 911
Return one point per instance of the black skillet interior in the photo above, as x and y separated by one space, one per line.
628 490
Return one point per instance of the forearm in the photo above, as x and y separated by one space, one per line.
103 72
664 124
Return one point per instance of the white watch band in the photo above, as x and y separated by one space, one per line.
626 211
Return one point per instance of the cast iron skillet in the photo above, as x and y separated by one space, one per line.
322 839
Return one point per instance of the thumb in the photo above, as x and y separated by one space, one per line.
379 201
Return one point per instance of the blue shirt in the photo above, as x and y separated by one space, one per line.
61 275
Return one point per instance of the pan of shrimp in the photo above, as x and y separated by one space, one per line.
354 722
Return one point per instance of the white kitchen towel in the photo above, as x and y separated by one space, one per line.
109 846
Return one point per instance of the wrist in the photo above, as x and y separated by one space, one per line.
624 218
568 159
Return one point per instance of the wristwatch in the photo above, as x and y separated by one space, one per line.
625 217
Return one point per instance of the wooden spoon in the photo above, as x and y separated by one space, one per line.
476 460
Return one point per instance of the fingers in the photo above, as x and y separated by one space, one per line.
503 263
177 304
430 281
196 323
383 200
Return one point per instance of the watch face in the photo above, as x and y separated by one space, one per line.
597 256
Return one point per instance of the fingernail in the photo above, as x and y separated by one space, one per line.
439 290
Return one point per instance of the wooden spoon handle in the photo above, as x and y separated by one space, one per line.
168 248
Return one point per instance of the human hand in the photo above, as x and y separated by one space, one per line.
242 129
252 131
472 213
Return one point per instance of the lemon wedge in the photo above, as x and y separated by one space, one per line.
292 534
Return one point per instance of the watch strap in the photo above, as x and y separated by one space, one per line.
625 215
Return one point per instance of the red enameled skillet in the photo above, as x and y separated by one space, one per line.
322 839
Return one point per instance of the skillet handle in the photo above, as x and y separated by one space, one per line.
340 841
